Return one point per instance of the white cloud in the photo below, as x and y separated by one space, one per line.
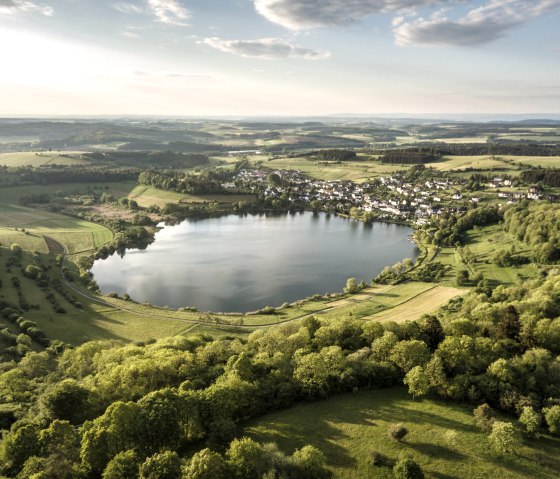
172 12
270 48
128 8
9 7
480 25
301 14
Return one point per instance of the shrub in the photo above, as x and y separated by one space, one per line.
503 437
397 432
407 468
484 417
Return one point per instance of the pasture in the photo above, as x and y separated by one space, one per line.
425 303
148 195
442 438
357 171
37 159
76 234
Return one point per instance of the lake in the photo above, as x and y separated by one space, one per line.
243 263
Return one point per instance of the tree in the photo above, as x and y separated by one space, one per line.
407 468
351 286
462 278
408 354
67 400
509 324
433 331
18 446
162 465
246 459
310 463
274 179
503 437
123 466
397 432
552 418
484 417
207 464
531 420
417 381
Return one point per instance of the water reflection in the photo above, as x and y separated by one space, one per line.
243 263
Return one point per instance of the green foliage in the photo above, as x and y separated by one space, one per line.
552 418
397 432
246 459
407 468
123 466
503 437
351 286
531 420
162 465
484 417
207 464
417 381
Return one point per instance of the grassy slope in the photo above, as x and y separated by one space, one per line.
76 234
442 438
147 195
30 158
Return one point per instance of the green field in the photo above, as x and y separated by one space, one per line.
425 303
35 159
148 195
481 162
12 194
76 234
442 438
357 171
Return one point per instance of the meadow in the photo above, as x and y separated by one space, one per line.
148 195
442 438
37 159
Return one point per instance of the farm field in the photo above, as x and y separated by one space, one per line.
425 303
442 438
76 234
481 162
35 159
358 172
12 194
147 195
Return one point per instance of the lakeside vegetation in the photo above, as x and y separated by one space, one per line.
102 386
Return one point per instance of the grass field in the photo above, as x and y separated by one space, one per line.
76 234
358 171
147 195
442 438
482 244
481 162
12 195
425 303
35 159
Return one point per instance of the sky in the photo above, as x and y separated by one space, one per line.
279 57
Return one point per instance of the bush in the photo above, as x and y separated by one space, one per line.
397 432
552 418
484 417
503 437
407 468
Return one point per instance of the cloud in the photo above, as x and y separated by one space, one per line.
301 14
128 8
171 12
9 7
479 25
270 48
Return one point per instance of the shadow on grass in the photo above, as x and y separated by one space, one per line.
436 451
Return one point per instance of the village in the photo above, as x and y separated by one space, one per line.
402 197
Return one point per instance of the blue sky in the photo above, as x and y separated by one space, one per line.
279 57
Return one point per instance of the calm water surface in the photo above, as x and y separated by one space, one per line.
243 263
